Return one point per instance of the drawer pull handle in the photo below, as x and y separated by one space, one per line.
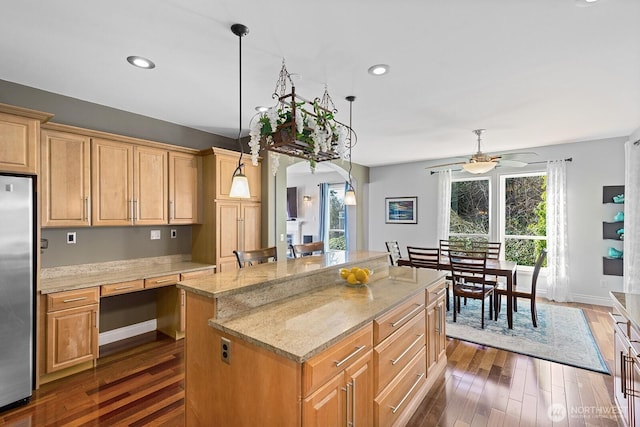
164 280
358 350
395 409
119 288
408 315
441 292
613 317
74 299
404 353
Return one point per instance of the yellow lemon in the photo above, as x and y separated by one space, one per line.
354 269
366 270
344 273
351 279
362 276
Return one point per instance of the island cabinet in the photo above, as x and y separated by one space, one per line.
436 321
288 344
19 139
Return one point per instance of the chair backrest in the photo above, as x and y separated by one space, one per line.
394 251
305 249
447 246
472 265
424 257
536 271
491 248
258 256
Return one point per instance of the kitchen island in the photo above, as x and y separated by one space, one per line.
289 343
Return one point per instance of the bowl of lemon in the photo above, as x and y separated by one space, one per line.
356 276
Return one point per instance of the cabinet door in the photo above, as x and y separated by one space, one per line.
18 144
326 406
183 188
251 224
432 336
151 179
112 183
72 337
65 177
620 381
359 388
227 234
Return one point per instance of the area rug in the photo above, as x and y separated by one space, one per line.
562 335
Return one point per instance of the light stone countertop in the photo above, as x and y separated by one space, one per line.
81 276
629 305
302 326
264 275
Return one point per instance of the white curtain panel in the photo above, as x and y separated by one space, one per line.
557 262
632 218
444 204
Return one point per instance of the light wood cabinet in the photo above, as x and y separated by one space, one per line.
227 224
183 188
19 139
72 328
111 182
436 321
150 186
65 179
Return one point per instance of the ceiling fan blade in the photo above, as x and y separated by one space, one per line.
515 155
445 164
512 163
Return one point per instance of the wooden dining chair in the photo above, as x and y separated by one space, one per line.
257 256
304 249
491 248
426 258
394 251
531 294
469 279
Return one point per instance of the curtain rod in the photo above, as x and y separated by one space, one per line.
568 159
637 142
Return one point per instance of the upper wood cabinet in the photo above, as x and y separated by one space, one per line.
65 179
150 180
19 135
183 188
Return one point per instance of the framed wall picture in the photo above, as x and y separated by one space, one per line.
401 210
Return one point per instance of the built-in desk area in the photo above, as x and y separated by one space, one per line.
73 300
289 343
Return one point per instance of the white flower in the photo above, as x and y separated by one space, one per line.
299 120
275 162
273 116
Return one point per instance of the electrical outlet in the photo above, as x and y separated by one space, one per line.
225 350
155 234
71 238
174 233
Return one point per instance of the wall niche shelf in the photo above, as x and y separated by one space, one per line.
612 266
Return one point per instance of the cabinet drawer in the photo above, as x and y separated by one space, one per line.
394 353
121 288
436 291
70 299
321 367
389 406
169 279
194 274
393 320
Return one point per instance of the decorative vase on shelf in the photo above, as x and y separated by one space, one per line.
618 199
619 217
614 253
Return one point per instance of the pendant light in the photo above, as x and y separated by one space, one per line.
239 182
350 194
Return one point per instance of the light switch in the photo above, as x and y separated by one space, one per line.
155 234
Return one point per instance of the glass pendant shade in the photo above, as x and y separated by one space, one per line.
479 167
350 197
240 187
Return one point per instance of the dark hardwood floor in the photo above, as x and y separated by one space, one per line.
143 385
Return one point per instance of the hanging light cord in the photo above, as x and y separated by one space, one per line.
240 164
350 99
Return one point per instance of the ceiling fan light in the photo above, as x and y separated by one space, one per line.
479 167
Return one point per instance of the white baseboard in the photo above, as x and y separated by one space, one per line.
127 332
582 298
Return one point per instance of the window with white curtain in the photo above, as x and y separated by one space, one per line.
470 209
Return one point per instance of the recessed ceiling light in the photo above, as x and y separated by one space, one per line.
584 3
261 108
378 69
140 62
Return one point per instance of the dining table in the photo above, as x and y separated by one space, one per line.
495 267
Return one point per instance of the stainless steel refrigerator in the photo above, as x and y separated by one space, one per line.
17 266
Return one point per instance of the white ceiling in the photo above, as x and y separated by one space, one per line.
532 72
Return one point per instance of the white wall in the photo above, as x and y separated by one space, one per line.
595 164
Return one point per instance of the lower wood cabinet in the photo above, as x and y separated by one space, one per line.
72 328
436 318
626 378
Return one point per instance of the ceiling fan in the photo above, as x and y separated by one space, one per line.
480 162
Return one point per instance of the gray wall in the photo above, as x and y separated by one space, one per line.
99 244
595 164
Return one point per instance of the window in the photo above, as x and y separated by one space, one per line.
521 221
470 210
336 217
523 216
